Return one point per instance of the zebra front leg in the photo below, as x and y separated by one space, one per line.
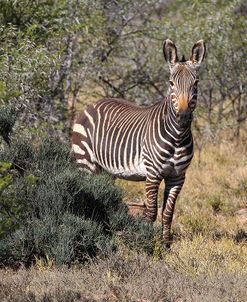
173 187
152 188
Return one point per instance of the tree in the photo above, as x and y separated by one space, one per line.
55 54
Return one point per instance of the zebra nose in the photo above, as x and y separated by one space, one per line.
184 117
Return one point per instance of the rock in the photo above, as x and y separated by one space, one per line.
242 215
136 209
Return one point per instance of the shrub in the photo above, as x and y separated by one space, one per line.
64 214
135 232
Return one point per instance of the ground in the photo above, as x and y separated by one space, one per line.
207 261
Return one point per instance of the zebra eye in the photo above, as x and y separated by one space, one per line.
196 82
194 89
171 83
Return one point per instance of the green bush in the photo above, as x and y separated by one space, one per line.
135 232
63 213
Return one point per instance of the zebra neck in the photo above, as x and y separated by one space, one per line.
178 133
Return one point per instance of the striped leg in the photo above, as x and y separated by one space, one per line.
152 188
172 189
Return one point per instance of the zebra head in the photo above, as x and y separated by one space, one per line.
183 79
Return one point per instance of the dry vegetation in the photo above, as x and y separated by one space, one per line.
207 262
122 277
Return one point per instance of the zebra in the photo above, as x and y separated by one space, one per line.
151 143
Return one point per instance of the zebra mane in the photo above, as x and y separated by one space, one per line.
183 60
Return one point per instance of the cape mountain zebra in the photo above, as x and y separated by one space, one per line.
145 143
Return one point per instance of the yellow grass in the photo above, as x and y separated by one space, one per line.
210 221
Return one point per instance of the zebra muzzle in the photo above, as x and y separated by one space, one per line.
184 118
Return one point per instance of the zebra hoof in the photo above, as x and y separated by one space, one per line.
136 209
167 243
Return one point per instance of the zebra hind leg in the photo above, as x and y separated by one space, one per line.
88 166
82 147
83 159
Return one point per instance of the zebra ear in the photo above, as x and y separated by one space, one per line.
198 52
170 52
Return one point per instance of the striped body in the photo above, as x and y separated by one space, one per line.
143 143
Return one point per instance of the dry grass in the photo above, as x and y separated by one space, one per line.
207 261
213 201
121 278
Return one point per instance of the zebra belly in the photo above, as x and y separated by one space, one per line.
136 173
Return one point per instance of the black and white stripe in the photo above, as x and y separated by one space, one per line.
145 143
